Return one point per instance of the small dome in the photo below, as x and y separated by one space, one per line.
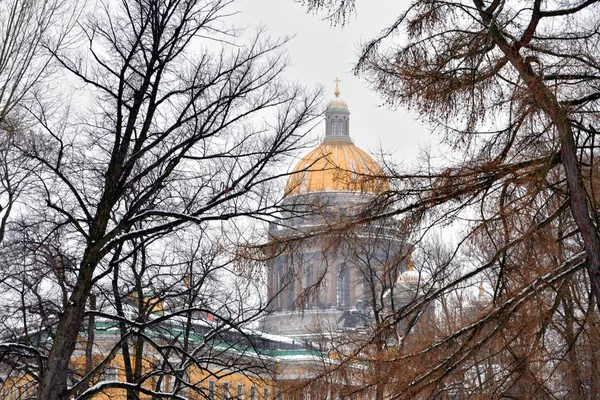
337 103
410 275
336 166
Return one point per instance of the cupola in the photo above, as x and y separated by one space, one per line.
337 118
337 165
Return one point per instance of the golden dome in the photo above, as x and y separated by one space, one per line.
336 166
410 275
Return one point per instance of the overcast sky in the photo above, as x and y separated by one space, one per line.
319 52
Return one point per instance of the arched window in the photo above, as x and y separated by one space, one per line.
291 290
308 283
343 287
332 130
340 126
278 285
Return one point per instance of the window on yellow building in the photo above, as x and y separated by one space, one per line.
169 381
240 392
253 394
226 395
29 389
184 386
211 390
26 393
266 393
110 374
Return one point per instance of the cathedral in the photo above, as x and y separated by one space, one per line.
332 266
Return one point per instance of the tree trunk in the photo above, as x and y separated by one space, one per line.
89 345
53 381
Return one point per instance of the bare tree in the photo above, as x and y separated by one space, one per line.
512 88
164 136
28 30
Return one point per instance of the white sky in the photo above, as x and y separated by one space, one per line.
319 52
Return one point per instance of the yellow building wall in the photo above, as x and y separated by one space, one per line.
20 388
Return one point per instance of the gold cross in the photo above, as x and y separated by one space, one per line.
337 90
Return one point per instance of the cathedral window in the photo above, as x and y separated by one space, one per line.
279 285
332 127
309 281
291 290
367 285
340 127
343 287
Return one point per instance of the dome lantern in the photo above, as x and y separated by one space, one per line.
337 118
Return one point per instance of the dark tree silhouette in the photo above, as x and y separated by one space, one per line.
155 126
